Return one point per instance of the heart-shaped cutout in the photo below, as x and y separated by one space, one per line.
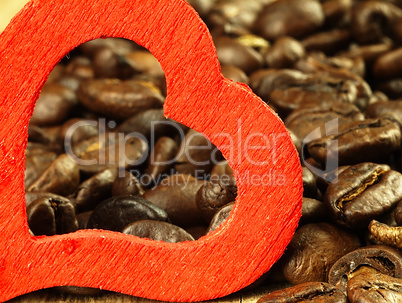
269 179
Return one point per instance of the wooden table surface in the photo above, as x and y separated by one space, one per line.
51 296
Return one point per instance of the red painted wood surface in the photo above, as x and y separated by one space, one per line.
266 213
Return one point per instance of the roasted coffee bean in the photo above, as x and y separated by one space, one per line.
94 190
313 292
119 99
152 122
196 155
233 17
32 196
213 195
202 7
234 73
358 141
50 216
35 165
337 12
313 90
111 152
313 211
197 231
220 217
384 259
263 82
107 63
157 231
371 286
372 20
145 63
76 130
83 218
61 177
398 214
46 135
54 105
117 212
221 171
327 42
392 88
120 46
176 195
385 234
161 160
284 53
314 249
369 53
233 52
389 66
389 109
289 18
80 67
308 119
126 184
363 192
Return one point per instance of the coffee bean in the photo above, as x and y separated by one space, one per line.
358 141
232 17
212 196
220 217
233 52
388 66
176 195
110 151
145 63
94 190
289 18
337 12
76 130
119 99
80 67
384 259
313 211
369 53
388 109
126 184
161 159
36 164
54 105
108 63
327 42
368 285
284 53
117 212
313 292
157 231
307 119
234 73
372 20
61 177
385 234
314 249
196 155
278 19
49 216
152 122
363 192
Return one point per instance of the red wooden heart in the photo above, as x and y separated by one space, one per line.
266 211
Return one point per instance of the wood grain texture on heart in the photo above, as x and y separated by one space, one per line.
266 212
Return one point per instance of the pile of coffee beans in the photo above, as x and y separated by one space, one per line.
101 154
